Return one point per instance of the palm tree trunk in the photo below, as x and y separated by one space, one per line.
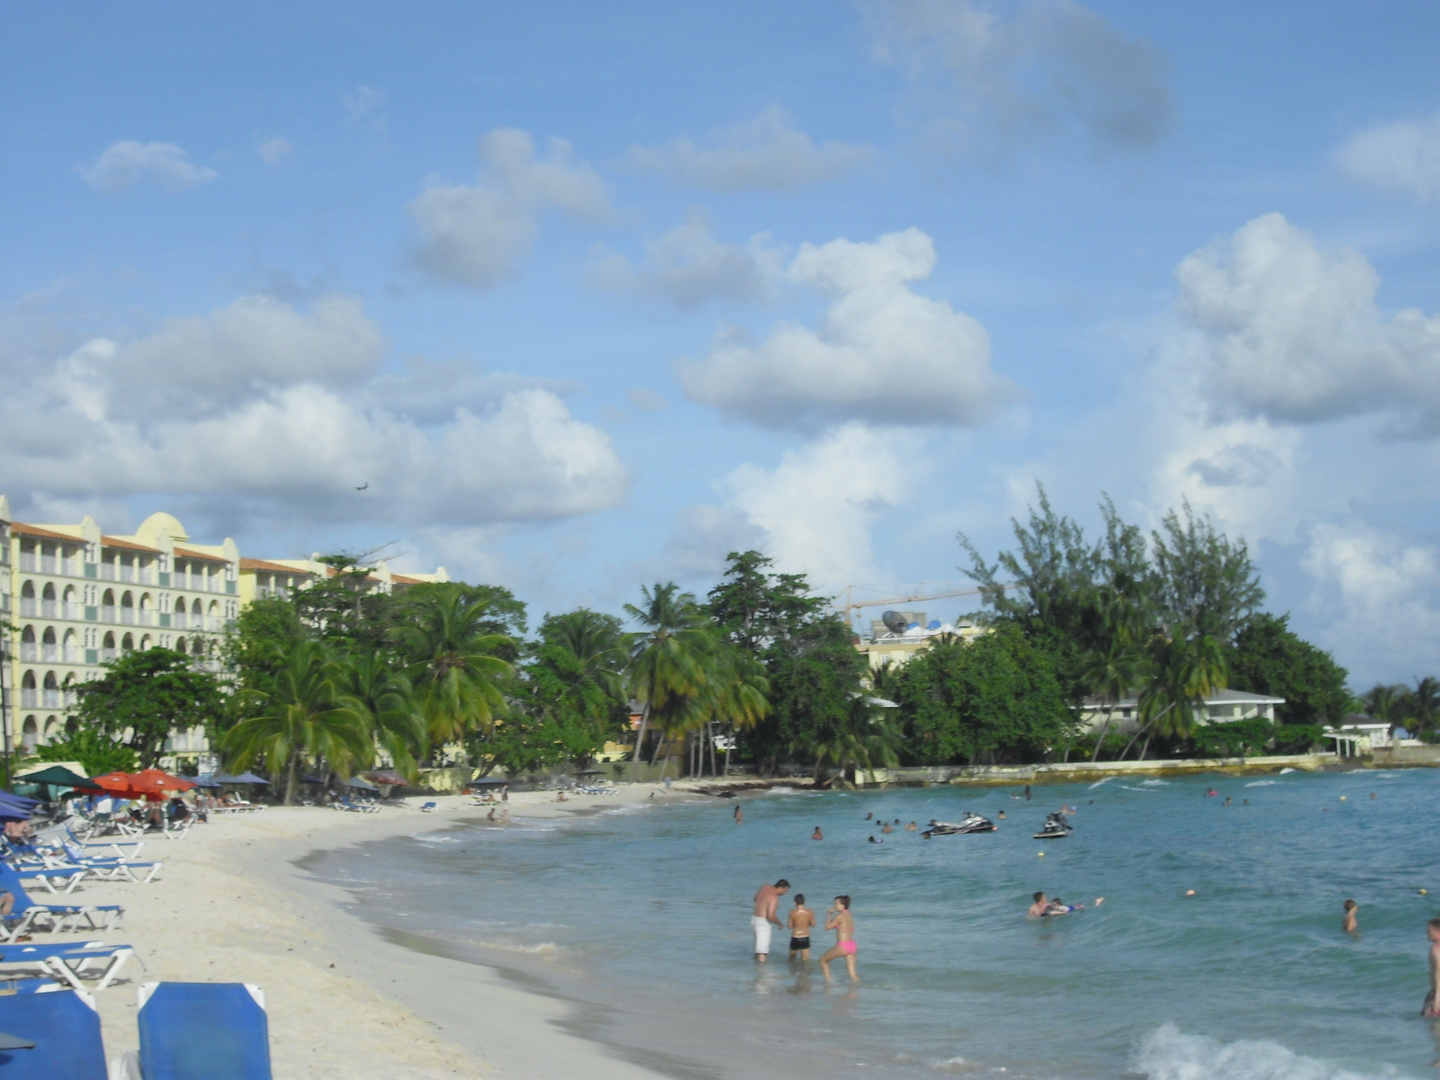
1104 730
727 754
640 735
290 777
1146 748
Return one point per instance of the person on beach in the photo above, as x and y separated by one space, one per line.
504 792
816 835
1040 907
1431 1008
1350 924
842 922
800 921
763 917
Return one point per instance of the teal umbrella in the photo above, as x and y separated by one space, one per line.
57 775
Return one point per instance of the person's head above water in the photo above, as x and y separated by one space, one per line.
1350 905
799 899
1038 897
844 902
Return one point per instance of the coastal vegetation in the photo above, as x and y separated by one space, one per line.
341 677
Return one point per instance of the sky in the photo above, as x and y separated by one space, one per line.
573 297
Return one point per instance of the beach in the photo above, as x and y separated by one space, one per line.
232 905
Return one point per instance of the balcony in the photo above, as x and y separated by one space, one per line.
49 609
177 620
147 617
52 699
127 573
107 656
214 623
29 561
146 576
29 698
107 614
47 565
107 571
49 653
127 616
29 606
71 655
73 612
29 650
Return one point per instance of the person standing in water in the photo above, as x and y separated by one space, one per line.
1350 925
800 921
816 835
1431 1009
763 916
739 817
842 922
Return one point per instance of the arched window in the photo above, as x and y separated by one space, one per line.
70 639
51 683
127 643
70 595
27 636
109 642
180 645
109 598
214 607
49 592
128 600
27 681
30 733
145 604
145 643
52 728
27 591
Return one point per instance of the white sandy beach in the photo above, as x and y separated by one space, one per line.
343 1002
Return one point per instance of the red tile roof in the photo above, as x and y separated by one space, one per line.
35 530
270 567
191 553
128 545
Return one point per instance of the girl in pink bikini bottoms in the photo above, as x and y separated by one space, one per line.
839 919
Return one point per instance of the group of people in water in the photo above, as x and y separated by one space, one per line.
800 922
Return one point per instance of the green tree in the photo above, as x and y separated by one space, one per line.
994 699
97 754
1424 704
144 697
1186 670
1202 580
1382 702
862 739
814 676
1267 657
305 714
384 698
456 659
666 668
755 607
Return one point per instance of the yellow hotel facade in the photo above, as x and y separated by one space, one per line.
77 597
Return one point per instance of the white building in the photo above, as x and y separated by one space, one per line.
1222 706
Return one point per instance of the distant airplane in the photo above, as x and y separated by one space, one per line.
363 486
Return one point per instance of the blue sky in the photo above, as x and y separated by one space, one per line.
589 295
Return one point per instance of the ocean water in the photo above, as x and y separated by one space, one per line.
1250 979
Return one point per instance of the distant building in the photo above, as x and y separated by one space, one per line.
887 646
79 598
1358 735
1221 707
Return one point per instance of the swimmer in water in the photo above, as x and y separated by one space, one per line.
816 835
1038 908
1351 925
842 922
887 828
739 816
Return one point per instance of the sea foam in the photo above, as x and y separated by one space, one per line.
1169 1054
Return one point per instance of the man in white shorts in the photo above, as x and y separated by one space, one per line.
767 901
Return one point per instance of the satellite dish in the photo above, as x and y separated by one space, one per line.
895 622
933 624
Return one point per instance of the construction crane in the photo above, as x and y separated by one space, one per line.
852 605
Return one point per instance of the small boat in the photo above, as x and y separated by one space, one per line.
970 823
1055 827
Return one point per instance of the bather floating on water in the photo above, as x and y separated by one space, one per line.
970 823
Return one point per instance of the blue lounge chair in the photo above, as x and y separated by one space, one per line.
66 962
429 807
65 1029
27 914
202 1031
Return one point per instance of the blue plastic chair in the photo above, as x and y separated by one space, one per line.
202 1031
65 1029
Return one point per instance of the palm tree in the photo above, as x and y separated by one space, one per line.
1382 703
666 665
455 666
1425 703
304 714
385 698
1187 671
1109 673
863 740
593 640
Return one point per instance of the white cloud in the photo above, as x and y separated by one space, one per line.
818 505
881 354
273 149
1401 158
286 412
477 235
1291 332
126 163
1032 68
688 267
766 154
1390 592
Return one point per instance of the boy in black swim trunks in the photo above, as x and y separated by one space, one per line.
800 922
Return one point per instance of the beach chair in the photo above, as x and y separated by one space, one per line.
429 807
67 963
199 1031
114 845
28 915
65 1028
51 873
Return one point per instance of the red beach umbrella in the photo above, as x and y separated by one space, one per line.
155 782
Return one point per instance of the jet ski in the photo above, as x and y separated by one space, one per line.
1055 827
970 823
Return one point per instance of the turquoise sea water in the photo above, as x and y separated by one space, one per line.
1250 978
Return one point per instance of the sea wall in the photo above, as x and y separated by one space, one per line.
1405 757
1093 770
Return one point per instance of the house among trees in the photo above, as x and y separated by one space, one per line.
1220 707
